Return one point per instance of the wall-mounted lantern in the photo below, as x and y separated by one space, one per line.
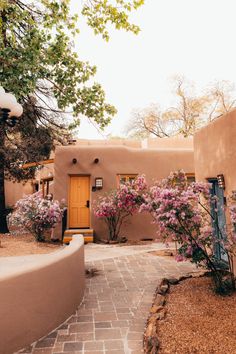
72 141
99 182
96 160
74 161
221 181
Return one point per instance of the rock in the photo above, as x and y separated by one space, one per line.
183 277
161 315
153 319
159 300
152 345
163 289
173 281
151 328
164 281
156 309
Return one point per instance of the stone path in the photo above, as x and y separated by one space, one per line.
117 300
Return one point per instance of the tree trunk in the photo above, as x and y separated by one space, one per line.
3 215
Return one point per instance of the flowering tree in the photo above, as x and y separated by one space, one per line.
116 207
182 212
36 214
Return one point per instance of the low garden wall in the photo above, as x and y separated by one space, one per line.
38 293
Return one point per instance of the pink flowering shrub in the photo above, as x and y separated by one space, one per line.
230 243
116 207
36 214
182 212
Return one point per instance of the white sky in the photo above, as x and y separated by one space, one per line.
194 38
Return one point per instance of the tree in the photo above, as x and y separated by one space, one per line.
182 212
148 121
38 64
114 208
190 113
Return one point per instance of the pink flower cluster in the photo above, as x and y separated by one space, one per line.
232 211
175 207
36 214
115 207
105 207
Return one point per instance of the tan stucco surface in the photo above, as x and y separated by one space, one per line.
15 191
215 151
154 163
38 293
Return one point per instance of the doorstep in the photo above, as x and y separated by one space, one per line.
87 233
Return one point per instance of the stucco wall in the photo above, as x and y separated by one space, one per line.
15 191
38 293
113 160
215 151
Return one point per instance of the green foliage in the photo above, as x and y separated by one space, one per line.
101 12
39 65
37 57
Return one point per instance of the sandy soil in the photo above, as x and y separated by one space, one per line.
18 245
198 321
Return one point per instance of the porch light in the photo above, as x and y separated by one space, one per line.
74 161
221 181
96 160
10 110
99 182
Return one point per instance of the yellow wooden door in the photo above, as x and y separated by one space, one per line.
79 200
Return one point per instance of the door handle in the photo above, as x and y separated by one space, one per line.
87 204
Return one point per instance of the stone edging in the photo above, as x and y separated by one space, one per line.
158 311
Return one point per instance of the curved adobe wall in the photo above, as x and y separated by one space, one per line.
38 293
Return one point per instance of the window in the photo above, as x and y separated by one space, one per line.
44 186
190 177
123 178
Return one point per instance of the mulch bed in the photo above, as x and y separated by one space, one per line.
197 321
18 244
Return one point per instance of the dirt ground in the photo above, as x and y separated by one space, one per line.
23 244
198 321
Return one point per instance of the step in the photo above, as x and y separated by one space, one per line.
79 231
87 233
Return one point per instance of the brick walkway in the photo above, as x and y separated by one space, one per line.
112 317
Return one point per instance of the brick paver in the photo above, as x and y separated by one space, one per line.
117 300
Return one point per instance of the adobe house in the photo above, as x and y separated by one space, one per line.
43 180
88 169
215 161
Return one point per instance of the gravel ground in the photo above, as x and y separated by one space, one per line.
198 321
19 245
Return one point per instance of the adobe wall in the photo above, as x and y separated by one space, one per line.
113 160
15 191
38 293
215 151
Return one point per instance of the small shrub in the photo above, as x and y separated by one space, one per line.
116 207
36 214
